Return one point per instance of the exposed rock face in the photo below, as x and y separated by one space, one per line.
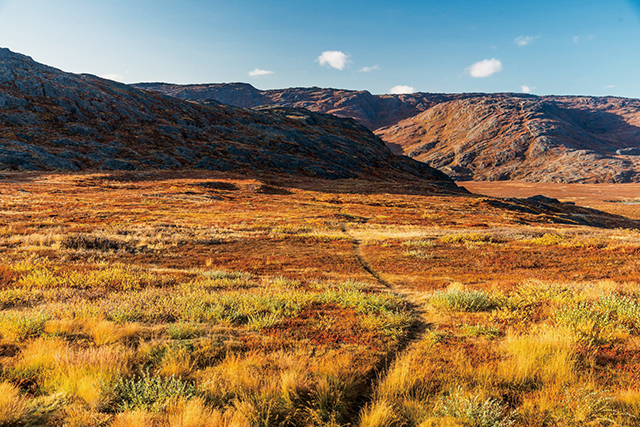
373 111
52 120
538 139
475 136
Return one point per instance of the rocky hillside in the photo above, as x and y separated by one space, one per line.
527 138
373 111
52 120
474 136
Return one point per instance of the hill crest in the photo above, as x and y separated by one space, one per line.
53 120
504 136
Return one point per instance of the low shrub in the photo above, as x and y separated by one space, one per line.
601 321
474 411
149 393
183 330
463 300
20 326
89 242
549 239
465 238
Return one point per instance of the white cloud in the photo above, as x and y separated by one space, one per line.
485 68
116 77
610 86
578 39
259 72
334 59
527 89
525 40
401 89
369 69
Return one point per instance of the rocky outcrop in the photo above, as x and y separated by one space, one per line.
537 139
474 136
52 120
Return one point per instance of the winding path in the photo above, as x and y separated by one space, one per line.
415 332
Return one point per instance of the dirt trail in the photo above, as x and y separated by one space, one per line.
416 331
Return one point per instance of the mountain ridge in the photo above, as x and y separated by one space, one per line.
474 136
53 120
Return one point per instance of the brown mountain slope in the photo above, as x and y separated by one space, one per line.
542 139
373 111
474 136
52 120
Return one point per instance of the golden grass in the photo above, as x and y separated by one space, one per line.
542 356
379 414
133 419
105 332
13 406
260 308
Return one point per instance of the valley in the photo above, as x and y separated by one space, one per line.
175 261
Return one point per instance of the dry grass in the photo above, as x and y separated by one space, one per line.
13 406
173 302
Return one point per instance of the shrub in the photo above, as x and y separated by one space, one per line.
227 275
474 411
149 393
465 238
89 242
183 330
418 254
471 301
419 243
18 296
583 406
487 331
20 326
549 239
601 321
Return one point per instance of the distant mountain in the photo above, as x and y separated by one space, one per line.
474 136
373 111
537 139
52 120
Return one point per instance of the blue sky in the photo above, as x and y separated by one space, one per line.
545 47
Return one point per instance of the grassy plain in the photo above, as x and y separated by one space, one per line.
207 299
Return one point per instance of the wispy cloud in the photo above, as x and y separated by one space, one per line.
369 69
578 39
485 68
610 86
525 40
402 89
527 89
258 72
117 77
334 59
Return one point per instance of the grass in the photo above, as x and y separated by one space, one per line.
466 238
473 410
13 406
148 392
19 326
463 300
144 302
609 318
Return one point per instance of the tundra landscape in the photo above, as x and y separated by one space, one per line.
218 255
